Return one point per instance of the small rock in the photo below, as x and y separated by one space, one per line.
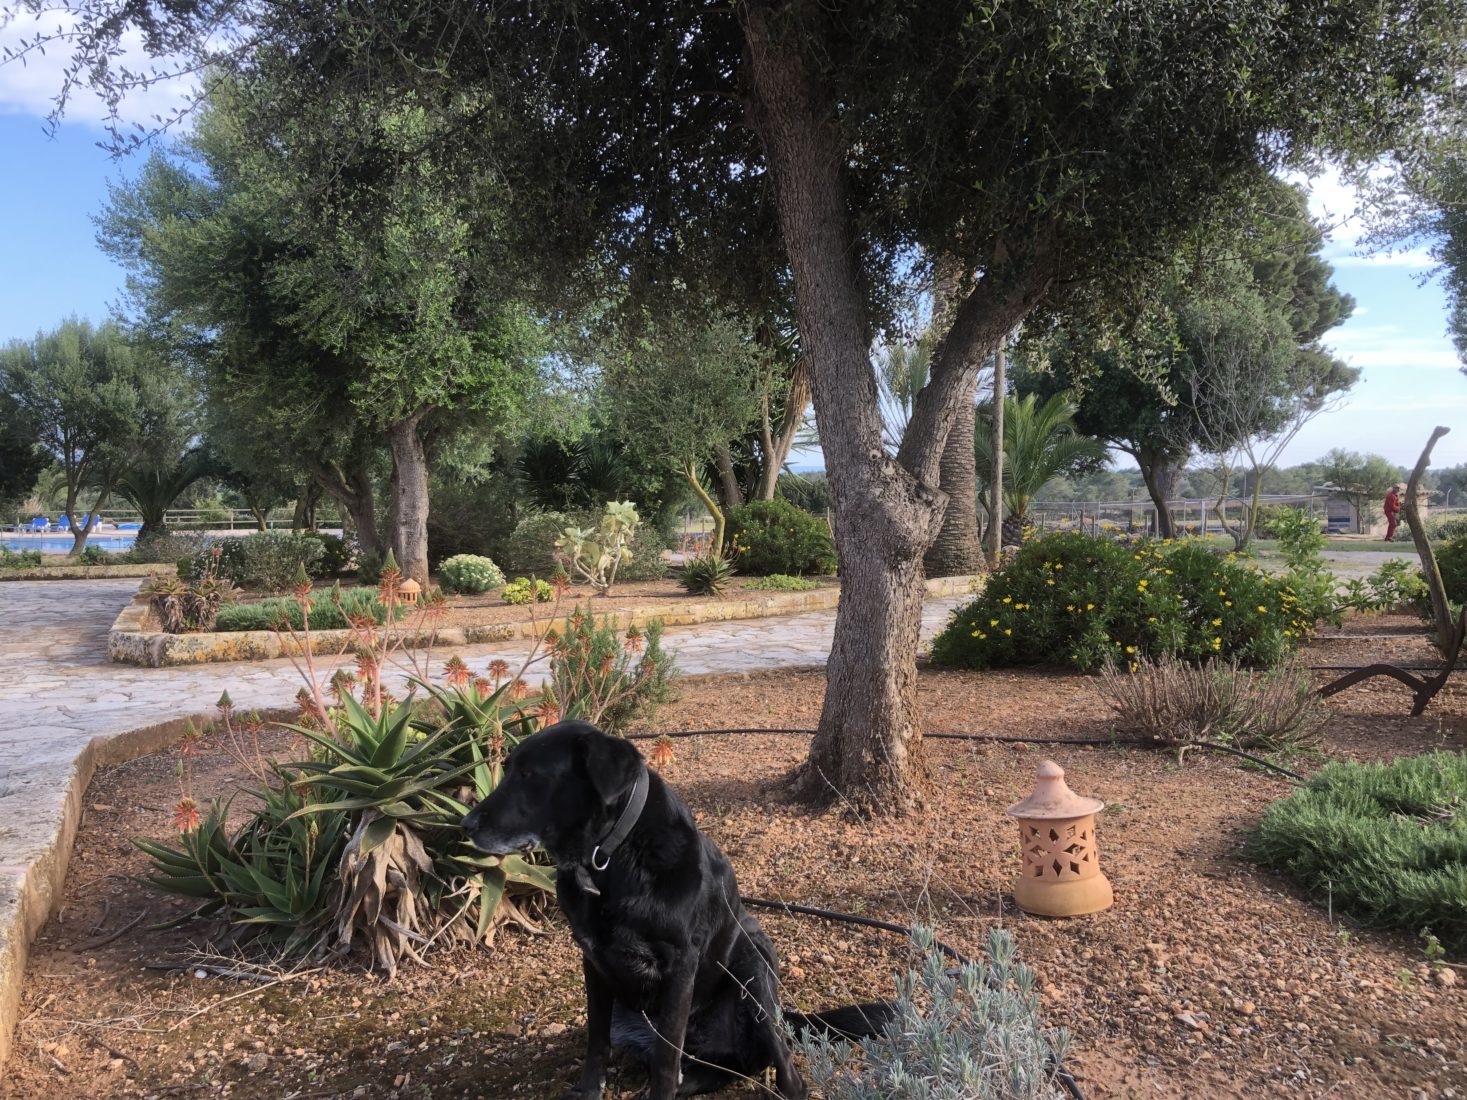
257 1062
1445 976
201 974
1188 1020
550 1031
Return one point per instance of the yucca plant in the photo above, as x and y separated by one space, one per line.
707 575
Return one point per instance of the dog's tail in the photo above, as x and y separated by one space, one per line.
850 1022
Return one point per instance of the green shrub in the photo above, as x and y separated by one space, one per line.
1086 602
970 1033
224 557
377 798
523 590
596 554
335 554
273 558
599 675
158 547
530 549
646 563
470 573
781 582
1451 559
1445 528
1384 843
19 559
330 610
94 555
1299 536
186 607
706 575
1396 583
774 536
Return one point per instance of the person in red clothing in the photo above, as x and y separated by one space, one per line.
1392 510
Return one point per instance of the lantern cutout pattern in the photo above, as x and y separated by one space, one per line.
1061 875
409 591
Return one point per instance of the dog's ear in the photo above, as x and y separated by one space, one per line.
611 762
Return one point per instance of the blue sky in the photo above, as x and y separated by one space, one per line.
50 267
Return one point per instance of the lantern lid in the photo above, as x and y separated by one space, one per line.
1053 799
409 585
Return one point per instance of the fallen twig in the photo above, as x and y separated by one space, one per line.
92 945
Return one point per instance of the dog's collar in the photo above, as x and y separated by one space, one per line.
602 853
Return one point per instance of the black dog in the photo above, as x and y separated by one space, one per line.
676 969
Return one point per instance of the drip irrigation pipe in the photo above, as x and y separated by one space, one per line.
1004 739
1064 1076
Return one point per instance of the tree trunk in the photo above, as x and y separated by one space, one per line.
80 533
867 752
995 491
1161 474
778 445
352 490
728 481
958 549
715 547
410 500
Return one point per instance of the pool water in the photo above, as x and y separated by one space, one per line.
112 541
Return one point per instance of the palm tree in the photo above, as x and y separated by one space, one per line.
901 372
1040 443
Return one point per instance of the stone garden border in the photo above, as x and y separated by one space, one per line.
130 642
83 572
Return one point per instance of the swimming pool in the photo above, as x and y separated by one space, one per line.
111 541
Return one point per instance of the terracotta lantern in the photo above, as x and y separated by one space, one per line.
1061 875
408 591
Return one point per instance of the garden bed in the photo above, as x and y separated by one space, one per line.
77 572
1209 977
471 620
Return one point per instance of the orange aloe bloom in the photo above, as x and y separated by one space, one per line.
186 815
188 744
518 690
634 639
456 673
661 752
483 686
498 669
548 712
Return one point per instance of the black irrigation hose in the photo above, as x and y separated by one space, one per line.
1065 1077
1005 739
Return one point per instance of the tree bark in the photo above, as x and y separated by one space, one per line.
995 491
1161 474
715 547
958 549
777 445
352 490
728 481
410 500
867 752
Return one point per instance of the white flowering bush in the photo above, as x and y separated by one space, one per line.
970 1033
470 573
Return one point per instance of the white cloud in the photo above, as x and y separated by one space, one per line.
1390 347
29 84
1410 257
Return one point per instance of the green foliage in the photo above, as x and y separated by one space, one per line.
1451 560
335 554
608 678
94 555
1072 599
272 558
1395 583
335 609
973 1033
359 841
471 574
1446 528
781 582
808 491
646 562
1384 843
1040 443
523 590
597 554
1270 710
19 559
774 536
164 547
185 607
707 575
1299 537
530 549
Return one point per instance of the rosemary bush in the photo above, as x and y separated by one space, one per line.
1173 703
973 1034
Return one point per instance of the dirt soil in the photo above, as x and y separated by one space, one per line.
1208 978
